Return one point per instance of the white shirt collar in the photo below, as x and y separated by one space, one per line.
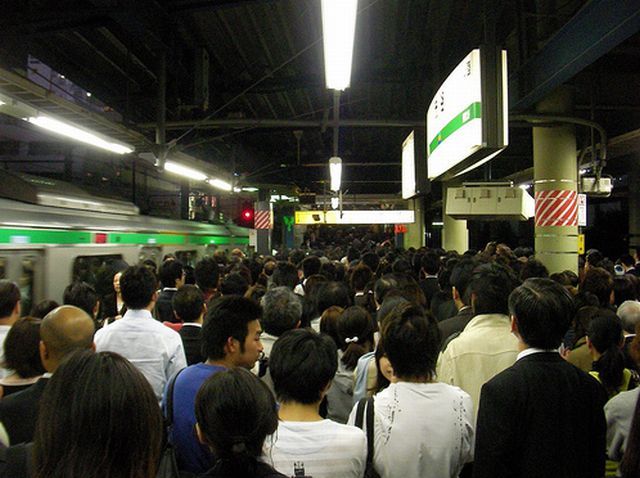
169 288
194 324
534 350
137 314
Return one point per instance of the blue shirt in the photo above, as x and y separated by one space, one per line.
191 455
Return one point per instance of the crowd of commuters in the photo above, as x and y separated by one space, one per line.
342 362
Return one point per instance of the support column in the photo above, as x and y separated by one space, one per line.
455 236
263 236
555 173
414 237
634 211
184 200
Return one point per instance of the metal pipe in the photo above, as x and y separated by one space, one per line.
161 112
336 121
228 123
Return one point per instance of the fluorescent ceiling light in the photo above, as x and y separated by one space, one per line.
250 190
220 184
338 30
335 171
184 171
2 103
73 132
335 203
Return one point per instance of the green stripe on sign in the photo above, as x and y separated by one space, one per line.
134 238
43 236
218 240
471 112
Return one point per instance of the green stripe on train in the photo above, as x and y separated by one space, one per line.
49 236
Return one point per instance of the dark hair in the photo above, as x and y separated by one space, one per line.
355 330
329 270
491 284
598 282
461 277
411 340
543 310
382 382
533 268
431 263
302 364
401 266
285 274
361 275
311 265
630 464
170 271
98 417
207 274
189 275
234 284
332 293
188 302
9 297
236 411
137 286
81 295
605 335
594 257
329 323
42 308
371 260
282 310
624 288
21 348
227 316
627 260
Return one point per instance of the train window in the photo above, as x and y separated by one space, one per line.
97 271
188 258
153 254
210 249
3 267
26 283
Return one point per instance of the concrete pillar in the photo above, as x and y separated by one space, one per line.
414 237
555 169
455 236
634 209
263 236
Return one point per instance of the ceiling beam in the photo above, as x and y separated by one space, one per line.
287 123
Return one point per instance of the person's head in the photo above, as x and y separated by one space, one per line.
235 412
411 341
42 308
541 311
329 323
188 303
490 287
282 311
533 268
98 412
627 261
371 260
62 331
605 339
207 275
9 300
234 284
598 282
138 287
594 258
361 276
629 313
355 330
82 295
332 293
285 274
21 348
311 265
430 263
460 278
231 331
302 365
171 274
624 289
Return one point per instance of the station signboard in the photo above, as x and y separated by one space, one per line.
467 120
405 216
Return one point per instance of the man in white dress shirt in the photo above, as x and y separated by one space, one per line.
156 350
9 313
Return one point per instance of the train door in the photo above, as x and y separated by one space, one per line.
25 268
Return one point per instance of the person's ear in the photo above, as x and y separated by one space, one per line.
325 390
298 324
514 325
454 293
17 310
230 346
44 353
200 435
96 309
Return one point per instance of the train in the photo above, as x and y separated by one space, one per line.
53 232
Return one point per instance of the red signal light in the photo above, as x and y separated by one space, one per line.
247 214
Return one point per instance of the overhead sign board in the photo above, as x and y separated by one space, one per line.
355 217
414 163
582 210
467 120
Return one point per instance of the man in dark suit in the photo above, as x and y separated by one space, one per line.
63 331
460 279
171 278
542 416
189 307
431 264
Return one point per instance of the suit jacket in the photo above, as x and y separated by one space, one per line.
19 412
454 325
191 336
539 418
164 307
429 286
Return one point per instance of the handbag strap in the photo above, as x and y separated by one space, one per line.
360 413
370 429
169 399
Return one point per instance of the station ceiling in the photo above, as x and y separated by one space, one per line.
266 115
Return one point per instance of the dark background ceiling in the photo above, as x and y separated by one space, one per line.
265 62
